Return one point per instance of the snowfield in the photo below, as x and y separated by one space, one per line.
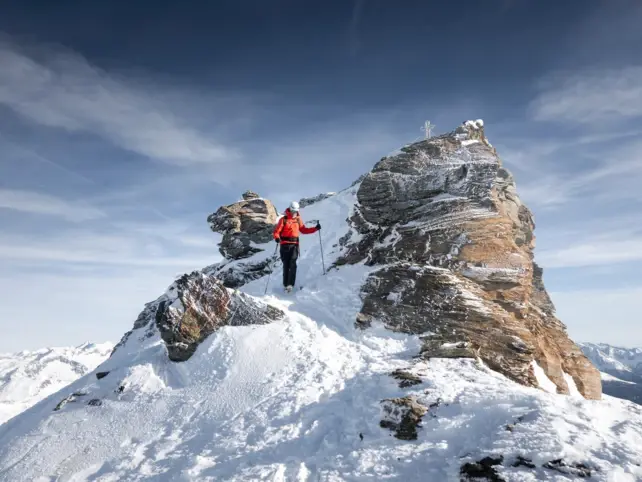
300 400
29 376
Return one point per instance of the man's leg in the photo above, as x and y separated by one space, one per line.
285 259
293 258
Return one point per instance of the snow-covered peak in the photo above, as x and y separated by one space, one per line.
608 358
474 124
415 347
27 377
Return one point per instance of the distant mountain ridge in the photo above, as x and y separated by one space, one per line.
623 363
27 377
621 369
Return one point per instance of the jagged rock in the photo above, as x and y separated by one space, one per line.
457 243
238 273
196 306
484 469
249 195
69 399
243 225
406 379
523 462
307 201
101 375
403 416
576 469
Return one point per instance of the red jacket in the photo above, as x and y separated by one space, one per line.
289 227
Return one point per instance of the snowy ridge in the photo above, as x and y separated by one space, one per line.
301 400
29 376
608 358
312 398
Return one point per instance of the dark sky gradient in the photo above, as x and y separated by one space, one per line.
376 54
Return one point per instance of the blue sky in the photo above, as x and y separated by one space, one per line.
123 126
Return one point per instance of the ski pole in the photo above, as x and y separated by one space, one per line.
270 273
321 245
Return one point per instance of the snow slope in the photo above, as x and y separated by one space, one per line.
300 400
29 376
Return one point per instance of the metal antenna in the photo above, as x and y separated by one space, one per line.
427 128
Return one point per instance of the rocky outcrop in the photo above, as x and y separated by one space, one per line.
243 225
201 306
194 307
487 468
444 218
238 273
403 416
483 469
307 201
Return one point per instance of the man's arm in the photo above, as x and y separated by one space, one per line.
277 231
304 229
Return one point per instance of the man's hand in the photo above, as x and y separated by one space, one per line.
318 227
278 241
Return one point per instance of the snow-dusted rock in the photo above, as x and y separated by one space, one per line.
445 219
307 201
237 273
30 376
243 225
403 416
193 308
249 195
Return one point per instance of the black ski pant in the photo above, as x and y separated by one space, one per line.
289 255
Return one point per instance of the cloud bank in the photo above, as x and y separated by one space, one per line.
63 90
591 97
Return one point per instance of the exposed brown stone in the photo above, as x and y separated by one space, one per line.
243 223
198 306
456 242
403 416
406 379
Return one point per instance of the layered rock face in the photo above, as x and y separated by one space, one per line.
193 308
444 219
308 201
243 224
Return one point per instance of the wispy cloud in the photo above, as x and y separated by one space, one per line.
612 181
21 153
592 254
122 248
61 89
43 204
578 248
591 97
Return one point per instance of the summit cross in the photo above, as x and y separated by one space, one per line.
427 128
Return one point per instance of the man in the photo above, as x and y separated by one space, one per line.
286 234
